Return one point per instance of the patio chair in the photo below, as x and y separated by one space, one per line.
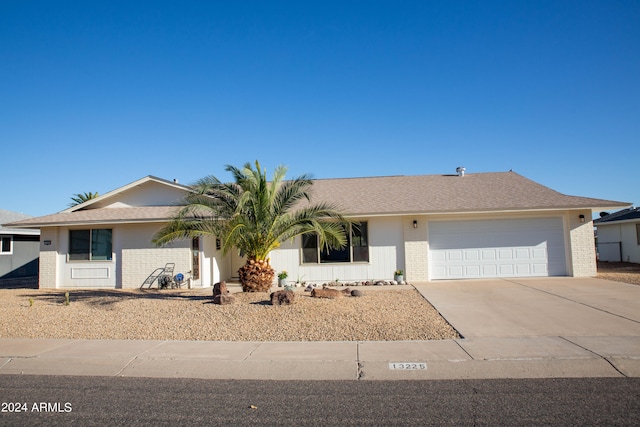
164 276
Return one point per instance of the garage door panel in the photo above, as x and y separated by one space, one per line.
496 248
489 254
455 270
505 270
439 271
539 253
489 271
472 255
472 271
540 269
439 256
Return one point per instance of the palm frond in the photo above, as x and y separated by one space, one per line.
253 214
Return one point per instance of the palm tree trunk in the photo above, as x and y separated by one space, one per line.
256 276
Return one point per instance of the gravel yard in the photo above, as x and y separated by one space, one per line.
382 314
620 272
150 314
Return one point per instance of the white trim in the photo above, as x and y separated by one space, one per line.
90 273
10 251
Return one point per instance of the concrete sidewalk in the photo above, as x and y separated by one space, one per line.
523 357
533 328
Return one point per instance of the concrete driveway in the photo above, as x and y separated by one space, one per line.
537 307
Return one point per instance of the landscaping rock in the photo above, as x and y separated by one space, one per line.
330 293
282 297
224 299
356 293
220 288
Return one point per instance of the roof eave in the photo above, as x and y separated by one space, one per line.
93 222
472 211
20 231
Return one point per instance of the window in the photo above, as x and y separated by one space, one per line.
90 245
638 233
357 249
6 247
309 248
360 243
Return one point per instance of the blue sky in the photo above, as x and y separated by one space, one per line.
97 94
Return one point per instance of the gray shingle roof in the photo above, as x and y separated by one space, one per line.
481 192
388 195
9 217
103 216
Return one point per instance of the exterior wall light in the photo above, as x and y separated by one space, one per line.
415 224
581 218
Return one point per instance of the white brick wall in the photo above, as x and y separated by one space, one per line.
582 245
139 257
48 258
416 250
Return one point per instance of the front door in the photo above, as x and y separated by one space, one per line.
195 251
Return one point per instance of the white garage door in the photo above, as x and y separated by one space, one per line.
496 248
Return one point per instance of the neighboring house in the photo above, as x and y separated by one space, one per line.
19 248
619 236
481 225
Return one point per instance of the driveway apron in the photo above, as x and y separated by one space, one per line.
537 307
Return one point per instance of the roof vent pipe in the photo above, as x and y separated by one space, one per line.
460 170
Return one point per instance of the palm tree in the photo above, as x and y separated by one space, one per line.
78 199
254 216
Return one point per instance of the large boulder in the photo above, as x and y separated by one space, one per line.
282 297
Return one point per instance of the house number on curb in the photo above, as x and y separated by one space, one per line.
408 366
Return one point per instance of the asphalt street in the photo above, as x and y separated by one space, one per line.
66 400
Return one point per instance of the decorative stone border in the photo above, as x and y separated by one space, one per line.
310 286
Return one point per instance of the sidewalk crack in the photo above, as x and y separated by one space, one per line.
138 356
464 349
119 373
596 354
6 363
251 352
359 363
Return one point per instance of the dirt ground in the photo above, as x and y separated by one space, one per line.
619 271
